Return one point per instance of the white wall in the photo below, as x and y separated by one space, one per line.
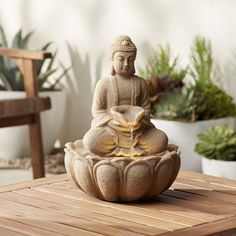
89 26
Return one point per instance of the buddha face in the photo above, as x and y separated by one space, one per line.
123 63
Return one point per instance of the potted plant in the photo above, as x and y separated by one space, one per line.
189 101
14 140
217 146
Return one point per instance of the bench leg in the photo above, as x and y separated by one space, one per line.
36 148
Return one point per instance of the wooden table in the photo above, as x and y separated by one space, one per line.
196 204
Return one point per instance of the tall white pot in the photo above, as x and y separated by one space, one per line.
226 169
14 141
184 134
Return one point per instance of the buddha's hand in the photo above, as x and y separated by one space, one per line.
113 123
127 115
123 127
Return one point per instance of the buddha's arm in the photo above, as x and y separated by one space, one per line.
145 104
99 106
145 99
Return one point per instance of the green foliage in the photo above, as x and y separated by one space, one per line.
200 100
212 102
162 65
162 74
176 105
201 67
10 76
217 143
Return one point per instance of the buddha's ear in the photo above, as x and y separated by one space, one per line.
133 71
113 72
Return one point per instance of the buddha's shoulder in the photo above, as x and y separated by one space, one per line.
104 82
105 79
141 80
137 77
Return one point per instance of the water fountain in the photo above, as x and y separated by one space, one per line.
123 157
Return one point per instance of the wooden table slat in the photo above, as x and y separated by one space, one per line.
195 204
200 198
35 182
164 223
207 185
24 229
205 207
44 224
45 204
218 226
189 175
130 208
133 217
4 231
81 223
180 212
222 196
210 207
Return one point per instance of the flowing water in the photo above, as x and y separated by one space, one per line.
131 130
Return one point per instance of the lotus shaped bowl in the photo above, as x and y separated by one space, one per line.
121 179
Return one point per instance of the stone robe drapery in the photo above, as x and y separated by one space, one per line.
106 137
106 96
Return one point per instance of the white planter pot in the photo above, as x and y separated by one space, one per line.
184 135
226 169
14 141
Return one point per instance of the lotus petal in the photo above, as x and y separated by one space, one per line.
108 181
121 178
68 164
137 178
163 175
176 166
82 172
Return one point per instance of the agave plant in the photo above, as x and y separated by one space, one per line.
212 101
10 75
218 143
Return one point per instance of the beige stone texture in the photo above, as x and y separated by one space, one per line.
121 179
122 157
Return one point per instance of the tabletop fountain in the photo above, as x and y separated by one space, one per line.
122 157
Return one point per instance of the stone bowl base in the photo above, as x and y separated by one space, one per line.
121 179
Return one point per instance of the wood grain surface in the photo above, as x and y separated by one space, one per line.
195 204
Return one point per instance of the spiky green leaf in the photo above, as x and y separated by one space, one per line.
10 76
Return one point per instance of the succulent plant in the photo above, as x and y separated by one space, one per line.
177 105
174 100
162 73
10 76
218 143
159 86
212 101
201 67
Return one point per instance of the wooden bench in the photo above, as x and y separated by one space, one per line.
27 110
196 204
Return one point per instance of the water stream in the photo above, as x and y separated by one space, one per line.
131 130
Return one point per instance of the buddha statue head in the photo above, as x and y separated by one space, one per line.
123 54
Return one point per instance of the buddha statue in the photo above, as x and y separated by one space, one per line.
122 157
121 110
